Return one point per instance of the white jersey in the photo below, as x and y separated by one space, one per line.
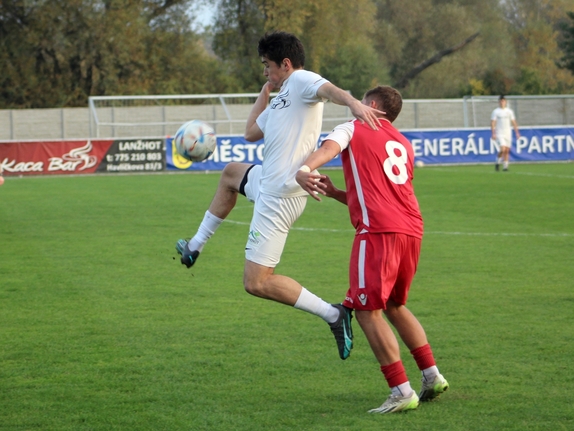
503 118
291 126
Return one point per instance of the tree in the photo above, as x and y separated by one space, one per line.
57 53
432 47
355 68
239 25
535 28
566 43
324 26
404 80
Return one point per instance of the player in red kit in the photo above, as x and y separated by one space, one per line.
378 169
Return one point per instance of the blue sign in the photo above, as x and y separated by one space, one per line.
477 146
229 149
430 146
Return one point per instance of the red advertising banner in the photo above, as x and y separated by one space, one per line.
53 157
81 156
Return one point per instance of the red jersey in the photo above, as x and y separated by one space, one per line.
378 167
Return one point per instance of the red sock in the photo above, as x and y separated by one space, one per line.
395 374
423 357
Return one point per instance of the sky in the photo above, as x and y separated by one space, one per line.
205 15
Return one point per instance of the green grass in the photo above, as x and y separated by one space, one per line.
101 329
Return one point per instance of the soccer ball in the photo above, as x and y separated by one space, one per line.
419 163
195 141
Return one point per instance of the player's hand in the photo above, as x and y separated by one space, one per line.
269 87
311 183
329 189
366 114
333 192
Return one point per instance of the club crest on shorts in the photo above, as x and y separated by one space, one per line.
254 237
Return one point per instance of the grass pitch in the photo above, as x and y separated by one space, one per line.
101 329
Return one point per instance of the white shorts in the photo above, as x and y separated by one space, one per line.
272 218
504 141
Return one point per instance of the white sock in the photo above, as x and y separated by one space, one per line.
311 303
403 390
206 229
505 164
430 373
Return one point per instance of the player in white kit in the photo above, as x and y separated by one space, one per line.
290 126
501 121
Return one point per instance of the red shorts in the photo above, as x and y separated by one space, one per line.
382 267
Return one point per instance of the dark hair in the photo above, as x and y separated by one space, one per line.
388 99
502 97
278 45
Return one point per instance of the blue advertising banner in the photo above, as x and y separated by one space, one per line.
229 149
476 145
430 146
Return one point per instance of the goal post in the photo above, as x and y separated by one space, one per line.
160 116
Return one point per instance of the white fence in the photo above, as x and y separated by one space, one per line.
159 116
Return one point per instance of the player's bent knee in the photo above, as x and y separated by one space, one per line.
255 289
252 285
233 173
255 279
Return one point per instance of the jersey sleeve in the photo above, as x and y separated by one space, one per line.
262 119
309 83
342 134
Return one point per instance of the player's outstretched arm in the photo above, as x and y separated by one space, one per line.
312 183
362 112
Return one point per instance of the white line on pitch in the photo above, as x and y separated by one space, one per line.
499 234
309 229
533 174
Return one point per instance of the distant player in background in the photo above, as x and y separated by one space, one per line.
290 126
501 121
378 168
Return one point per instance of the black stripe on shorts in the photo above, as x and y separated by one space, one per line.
244 181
